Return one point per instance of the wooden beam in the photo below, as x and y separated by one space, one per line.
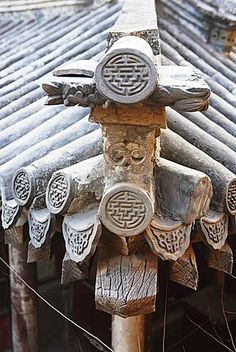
128 334
25 330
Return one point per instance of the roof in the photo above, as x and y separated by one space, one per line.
39 142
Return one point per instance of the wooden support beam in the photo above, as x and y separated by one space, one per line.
25 330
128 334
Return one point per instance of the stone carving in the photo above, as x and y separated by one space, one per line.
231 198
126 210
215 229
81 234
168 241
76 93
22 187
39 225
57 192
127 154
127 73
10 212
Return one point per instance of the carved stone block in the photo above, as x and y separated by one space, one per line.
168 240
126 285
126 209
81 234
127 73
214 227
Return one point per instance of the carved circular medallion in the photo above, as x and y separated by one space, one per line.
22 187
231 197
126 210
58 191
127 75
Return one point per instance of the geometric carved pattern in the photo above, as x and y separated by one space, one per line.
126 74
215 230
127 154
231 198
21 186
81 234
78 241
39 225
58 191
169 243
126 210
9 215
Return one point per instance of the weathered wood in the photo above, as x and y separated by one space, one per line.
39 254
175 148
128 334
126 285
72 271
25 334
214 228
15 235
184 271
221 259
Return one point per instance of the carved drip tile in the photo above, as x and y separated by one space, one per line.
10 213
169 240
184 270
40 224
81 234
126 285
214 227
221 259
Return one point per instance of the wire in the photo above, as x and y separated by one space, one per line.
54 308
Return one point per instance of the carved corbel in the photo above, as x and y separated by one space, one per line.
221 259
184 270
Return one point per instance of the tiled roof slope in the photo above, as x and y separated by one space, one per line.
33 135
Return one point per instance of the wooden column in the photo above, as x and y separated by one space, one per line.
128 335
25 336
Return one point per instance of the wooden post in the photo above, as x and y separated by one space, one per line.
128 334
25 337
